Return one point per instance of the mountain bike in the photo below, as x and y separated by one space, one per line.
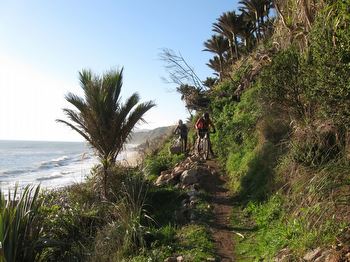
179 145
203 146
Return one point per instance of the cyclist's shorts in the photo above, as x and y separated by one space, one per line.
183 136
202 132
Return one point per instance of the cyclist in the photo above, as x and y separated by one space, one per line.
183 131
202 125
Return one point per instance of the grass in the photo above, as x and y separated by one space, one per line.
304 219
195 243
160 161
162 204
170 236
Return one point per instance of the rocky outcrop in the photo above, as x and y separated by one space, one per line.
189 172
189 177
337 253
175 148
311 255
167 178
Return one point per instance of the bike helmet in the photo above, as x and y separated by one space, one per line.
180 122
206 115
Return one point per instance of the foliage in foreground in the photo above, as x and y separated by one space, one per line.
20 225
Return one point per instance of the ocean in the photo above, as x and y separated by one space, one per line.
50 164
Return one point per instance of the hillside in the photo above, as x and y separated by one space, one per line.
281 109
140 137
277 187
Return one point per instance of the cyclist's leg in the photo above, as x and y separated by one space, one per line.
201 134
209 144
198 142
183 143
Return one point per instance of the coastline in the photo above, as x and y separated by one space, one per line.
61 176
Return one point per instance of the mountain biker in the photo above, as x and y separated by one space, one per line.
202 125
183 131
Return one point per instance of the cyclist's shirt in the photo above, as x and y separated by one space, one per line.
182 129
203 124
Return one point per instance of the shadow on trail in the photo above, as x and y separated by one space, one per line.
221 202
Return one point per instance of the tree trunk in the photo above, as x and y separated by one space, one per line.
221 59
105 175
257 24
231 50
236 45
262 22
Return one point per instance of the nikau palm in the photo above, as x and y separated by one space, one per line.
217 44
257 9
101 118
229 24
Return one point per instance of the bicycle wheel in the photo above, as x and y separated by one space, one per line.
198 146
205 148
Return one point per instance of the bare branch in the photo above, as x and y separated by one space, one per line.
180 72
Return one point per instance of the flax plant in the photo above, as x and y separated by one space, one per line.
131 212
19 225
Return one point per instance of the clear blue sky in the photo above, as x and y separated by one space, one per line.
44 44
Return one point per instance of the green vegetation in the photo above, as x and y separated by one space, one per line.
20 226
284 141
161 160
138 222
281 107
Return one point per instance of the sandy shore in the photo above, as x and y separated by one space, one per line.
130 158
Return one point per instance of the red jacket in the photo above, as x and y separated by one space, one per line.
203 124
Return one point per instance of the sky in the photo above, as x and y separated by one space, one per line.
44 44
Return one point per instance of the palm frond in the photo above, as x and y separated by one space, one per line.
134 117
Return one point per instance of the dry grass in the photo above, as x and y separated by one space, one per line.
295 18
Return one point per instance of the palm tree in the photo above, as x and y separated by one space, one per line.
257 10
210 81
247 32
101 118
215 65
229 25
218 44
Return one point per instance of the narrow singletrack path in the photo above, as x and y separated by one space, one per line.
221 201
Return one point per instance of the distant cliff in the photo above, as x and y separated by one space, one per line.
140 137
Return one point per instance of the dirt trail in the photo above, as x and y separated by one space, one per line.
221 201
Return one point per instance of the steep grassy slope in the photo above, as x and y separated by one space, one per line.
285 144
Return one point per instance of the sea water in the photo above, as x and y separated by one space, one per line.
50 164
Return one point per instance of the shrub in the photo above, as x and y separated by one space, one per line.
71 227
330 61
284 84
126 234
160 162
